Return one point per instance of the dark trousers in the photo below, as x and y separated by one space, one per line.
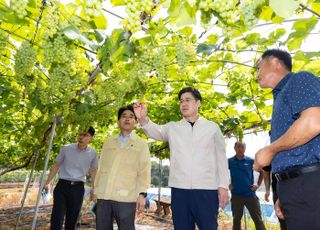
300 201
109 210
194 206
252 204
67 202
283 225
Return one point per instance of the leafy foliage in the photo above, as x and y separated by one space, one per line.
155 174
56 60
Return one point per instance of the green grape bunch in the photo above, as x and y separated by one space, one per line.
25 59
93 8
184 54
134 8
19 7
249 9
56 51
225 9
51 19
144 63
160 62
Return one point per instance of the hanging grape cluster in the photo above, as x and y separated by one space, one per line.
134 8
25 59
249 9
161 62
19 7
185 53
143 63
93 8
55 51
151 62
225 10
66 68
51 19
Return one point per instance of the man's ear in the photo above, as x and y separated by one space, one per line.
199 103
276 63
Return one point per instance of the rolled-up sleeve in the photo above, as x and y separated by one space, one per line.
59 159
95 161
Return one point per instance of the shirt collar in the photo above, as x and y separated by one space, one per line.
281 84
81 150
198 119
125 137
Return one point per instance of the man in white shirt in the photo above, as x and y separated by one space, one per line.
199 175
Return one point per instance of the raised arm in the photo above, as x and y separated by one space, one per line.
140 110
153 130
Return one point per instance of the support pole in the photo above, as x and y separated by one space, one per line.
26 189
44 172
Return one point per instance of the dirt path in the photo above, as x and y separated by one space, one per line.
8 219
10 195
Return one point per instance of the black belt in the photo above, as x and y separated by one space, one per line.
69 182
297 172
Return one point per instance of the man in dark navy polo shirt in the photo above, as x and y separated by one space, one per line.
243 189
295 140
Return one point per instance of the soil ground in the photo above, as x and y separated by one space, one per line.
10 196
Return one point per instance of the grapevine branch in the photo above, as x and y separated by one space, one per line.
183 80
93 76
225 61
157 152
13 33
254 102
38 21
206 31
285 21
228 132
226 69
308 9
86 49
116 15
26 161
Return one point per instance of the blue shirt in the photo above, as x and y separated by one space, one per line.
241 176
295 93
123 139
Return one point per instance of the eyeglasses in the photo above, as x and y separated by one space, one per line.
187 100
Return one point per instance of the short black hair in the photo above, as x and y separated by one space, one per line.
91 131
196 94
124 108
282 55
